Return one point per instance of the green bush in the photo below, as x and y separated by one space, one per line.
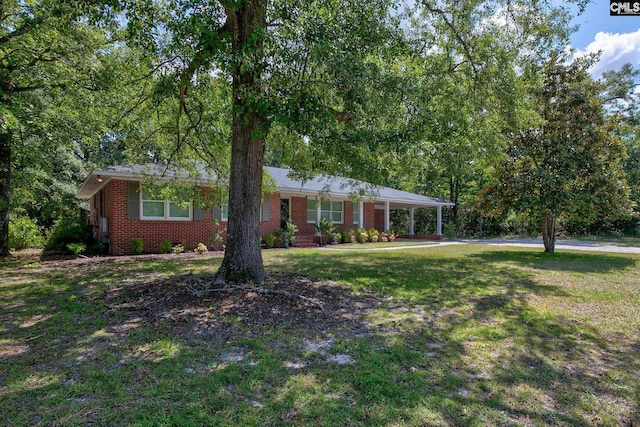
361 235
291 230
137 245
165 246
24 233
177 249
76 248
346 235
270 240
71 230
201 248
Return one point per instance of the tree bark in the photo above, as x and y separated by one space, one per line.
549 234
243 257
5 170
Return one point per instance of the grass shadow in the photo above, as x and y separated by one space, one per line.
578 262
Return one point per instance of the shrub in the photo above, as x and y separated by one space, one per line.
177 249
391 235
137 245
361 235
373 235
166 246
346 235
325 228
201 248
270 240
24 233
76 248
216 241
70 230
291 230
450 230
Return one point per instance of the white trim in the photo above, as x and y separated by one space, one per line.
306 214
331 211
355 206
167 210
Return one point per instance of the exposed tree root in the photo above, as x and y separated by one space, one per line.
199 287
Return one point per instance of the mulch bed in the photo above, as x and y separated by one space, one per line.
198 308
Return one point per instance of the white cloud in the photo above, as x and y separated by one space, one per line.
617 50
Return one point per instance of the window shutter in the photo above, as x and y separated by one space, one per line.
266 208
198 214
217 214
133 200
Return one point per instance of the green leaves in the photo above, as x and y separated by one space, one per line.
570 166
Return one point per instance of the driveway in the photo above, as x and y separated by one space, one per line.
568 244
574 245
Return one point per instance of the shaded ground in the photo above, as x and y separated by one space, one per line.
197 308
450 336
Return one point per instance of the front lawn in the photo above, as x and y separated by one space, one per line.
451 335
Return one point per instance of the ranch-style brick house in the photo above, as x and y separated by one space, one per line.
122 209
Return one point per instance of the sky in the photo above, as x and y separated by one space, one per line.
618 37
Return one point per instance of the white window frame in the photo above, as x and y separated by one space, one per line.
315 211
167 210
224 206
331 211
356 212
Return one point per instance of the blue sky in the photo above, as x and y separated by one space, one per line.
618 37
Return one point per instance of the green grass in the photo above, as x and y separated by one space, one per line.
612 239
465 335
400 243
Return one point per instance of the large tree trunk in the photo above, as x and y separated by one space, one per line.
549 234
5 191
5 169
243 257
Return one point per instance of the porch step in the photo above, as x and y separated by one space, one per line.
306 242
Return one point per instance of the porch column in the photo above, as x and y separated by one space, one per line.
439 226
318 210
361 219
386 216
411 222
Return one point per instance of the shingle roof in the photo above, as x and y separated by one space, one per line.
319 184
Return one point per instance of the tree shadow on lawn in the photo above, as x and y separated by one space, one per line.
455 343
577 262
471 350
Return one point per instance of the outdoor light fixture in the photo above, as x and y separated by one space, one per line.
99 179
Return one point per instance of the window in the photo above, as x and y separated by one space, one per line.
221 210
312 213
356 212
153 207
224 208
332 211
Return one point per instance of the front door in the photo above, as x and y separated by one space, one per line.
285 212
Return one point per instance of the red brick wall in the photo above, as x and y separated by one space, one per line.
369 215
122 230
379 220
299 216
273 224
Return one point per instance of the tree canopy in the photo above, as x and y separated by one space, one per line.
570 165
